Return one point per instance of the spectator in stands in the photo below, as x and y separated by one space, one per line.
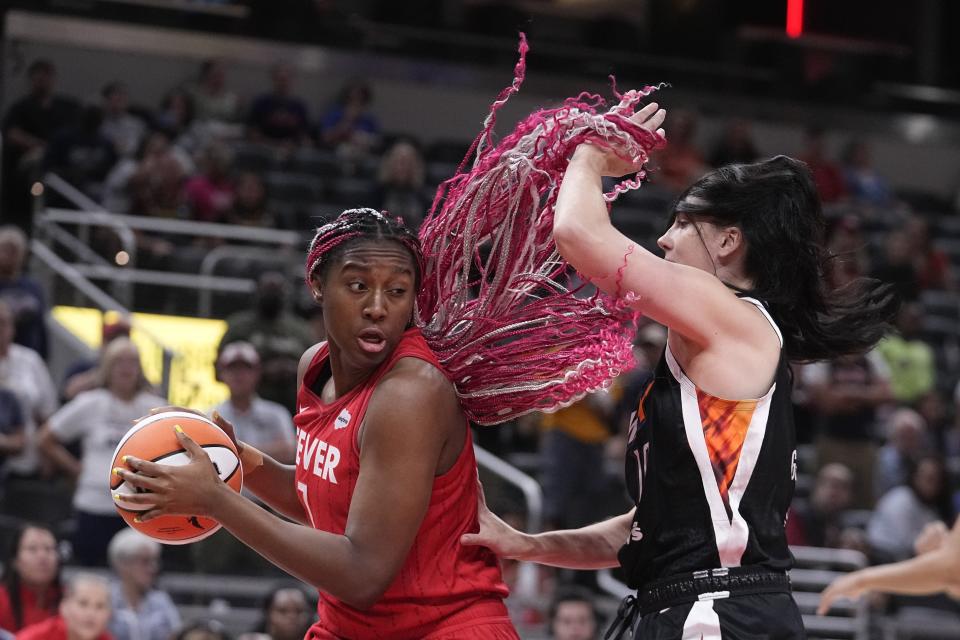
904 511
951 438
12 438
279 336
826 174
574 616
819 521
176 119
934 410
250 202
266 425
123 129
140 611
681 162
845 241
83 375
349 123
203 630
572 453
27 126
210 195
99 419
932 265
898 267
211 98
84 613
910 360
149 184
907 441
286 615
863 181
23 372
156 183
400 184
22 293
81 155
844 395
279 117
30 585
735 145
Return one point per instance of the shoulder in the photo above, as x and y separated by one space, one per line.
88 399
271 409
895 499
150 400
26 355
305 360
416 388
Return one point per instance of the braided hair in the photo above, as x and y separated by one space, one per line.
353 227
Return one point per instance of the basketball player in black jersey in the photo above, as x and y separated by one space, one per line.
710 461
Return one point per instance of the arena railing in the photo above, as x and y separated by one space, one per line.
528 584
285 246
53 265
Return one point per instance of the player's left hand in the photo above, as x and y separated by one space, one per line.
607 162
847 586
189 489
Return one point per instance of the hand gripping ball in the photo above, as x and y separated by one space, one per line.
153 438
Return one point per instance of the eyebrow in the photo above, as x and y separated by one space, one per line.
363 266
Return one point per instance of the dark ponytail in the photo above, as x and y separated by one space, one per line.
775 205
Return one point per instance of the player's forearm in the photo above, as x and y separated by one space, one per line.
580 213
276 485
929 573
583 232
591 547
329 562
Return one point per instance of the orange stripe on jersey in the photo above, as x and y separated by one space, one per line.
641 412
725 424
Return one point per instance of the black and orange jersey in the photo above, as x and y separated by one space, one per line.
712 478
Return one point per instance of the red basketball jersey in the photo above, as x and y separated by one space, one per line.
442 585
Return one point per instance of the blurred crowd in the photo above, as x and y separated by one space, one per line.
878 434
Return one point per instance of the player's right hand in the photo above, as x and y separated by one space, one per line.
495 534
218 420
931 538
846 586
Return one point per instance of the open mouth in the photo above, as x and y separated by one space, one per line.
372 340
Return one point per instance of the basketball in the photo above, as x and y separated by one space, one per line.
153 438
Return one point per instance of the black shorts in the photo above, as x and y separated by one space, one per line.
761 616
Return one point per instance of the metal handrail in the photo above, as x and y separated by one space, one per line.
532 492
213 258
178 227
204 284
102 300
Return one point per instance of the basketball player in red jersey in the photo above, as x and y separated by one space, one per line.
385 475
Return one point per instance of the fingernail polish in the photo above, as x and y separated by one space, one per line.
137 519
178 428
125 459
116 471
116 497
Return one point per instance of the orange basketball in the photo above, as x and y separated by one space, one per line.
153 438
